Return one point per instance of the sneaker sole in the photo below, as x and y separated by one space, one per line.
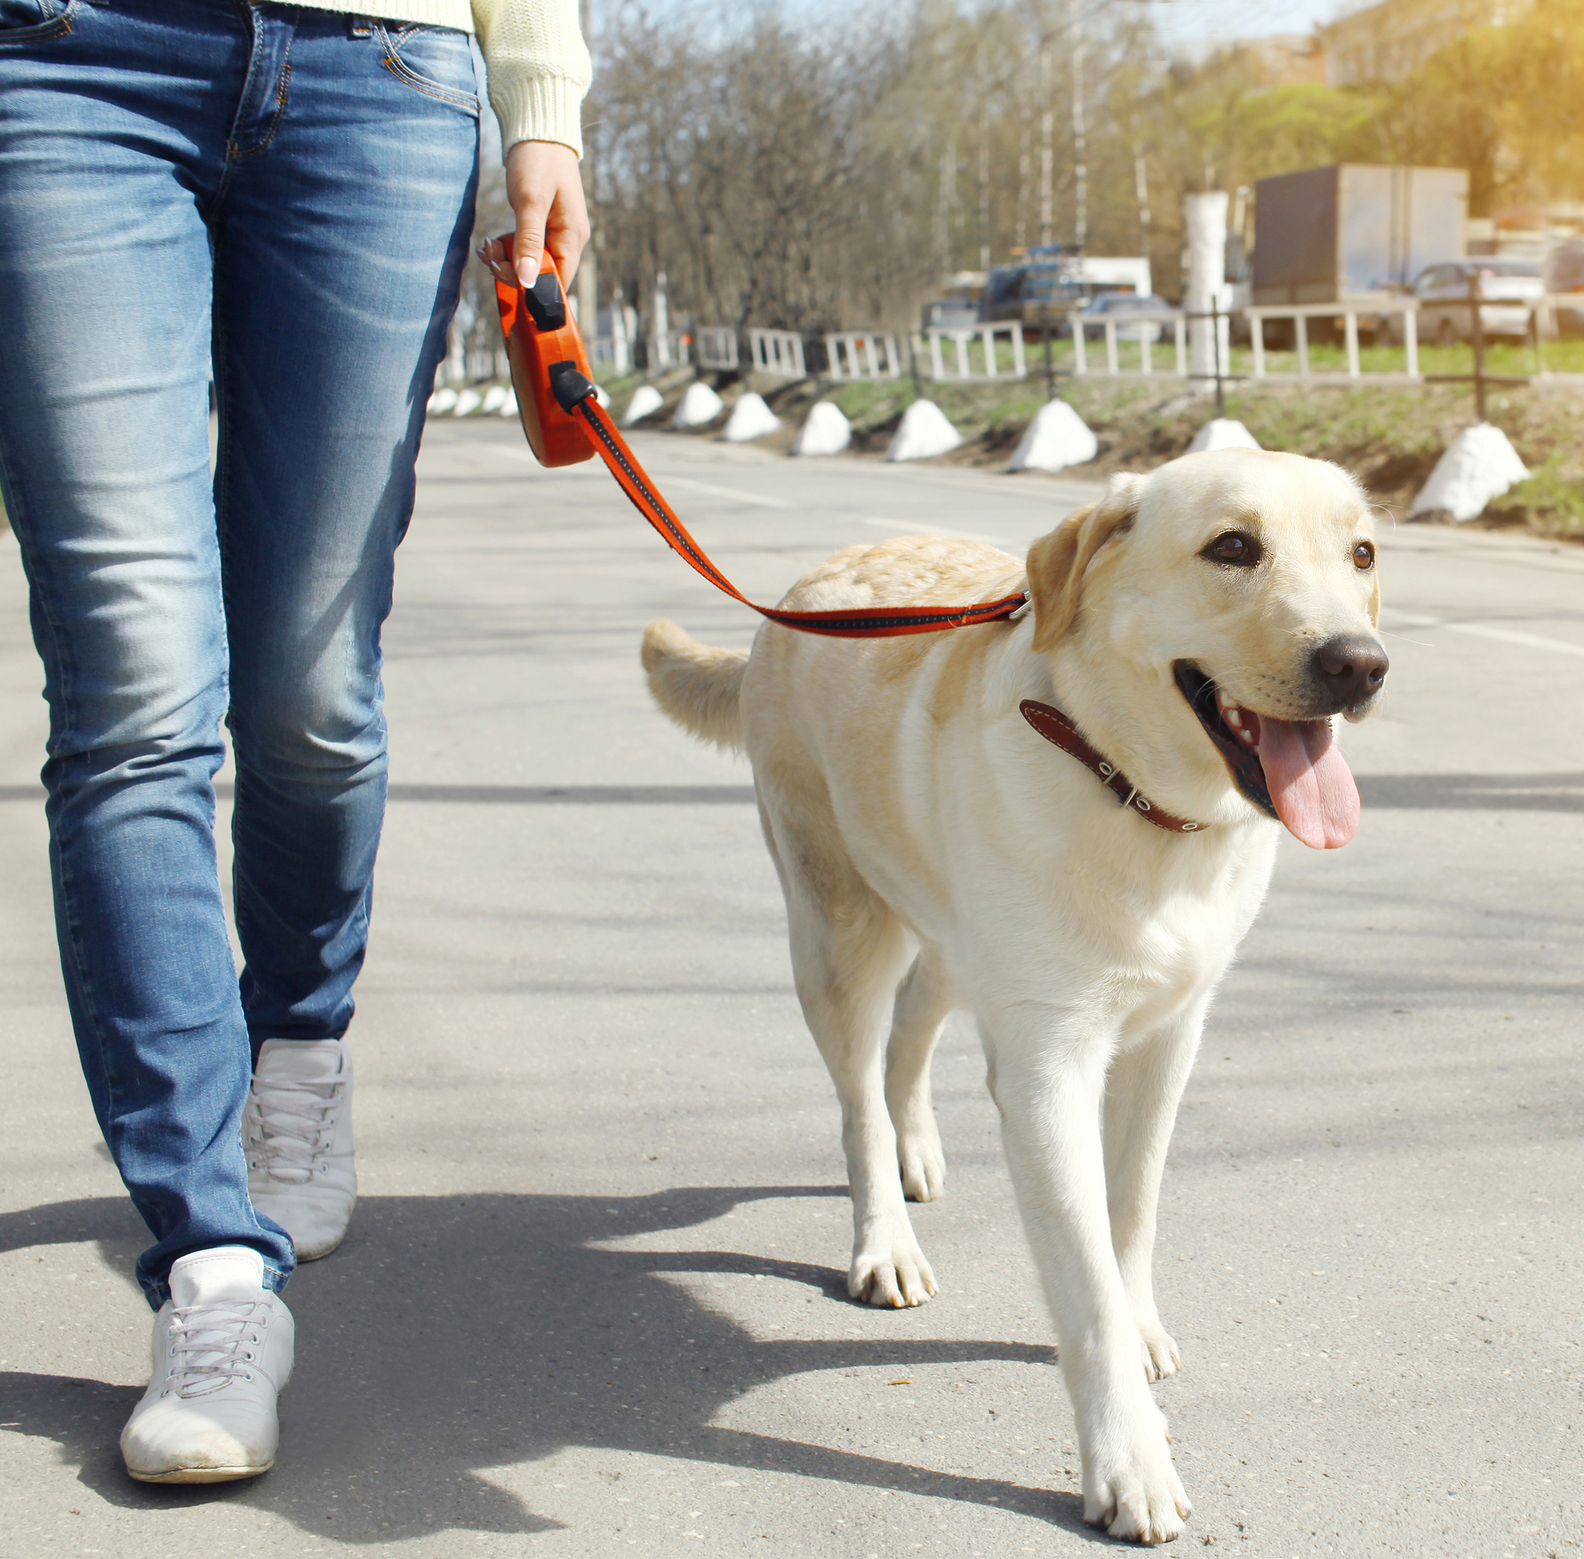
319 1252
201 1474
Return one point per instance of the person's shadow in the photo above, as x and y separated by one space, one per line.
457 1333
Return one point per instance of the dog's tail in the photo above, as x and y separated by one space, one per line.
696 686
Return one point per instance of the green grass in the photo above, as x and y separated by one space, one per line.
1551 501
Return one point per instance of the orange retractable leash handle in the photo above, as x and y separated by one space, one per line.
540 333
566 424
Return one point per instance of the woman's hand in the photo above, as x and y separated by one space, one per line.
546 192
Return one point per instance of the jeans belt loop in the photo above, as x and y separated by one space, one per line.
360 26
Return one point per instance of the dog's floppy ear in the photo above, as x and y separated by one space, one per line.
1057 562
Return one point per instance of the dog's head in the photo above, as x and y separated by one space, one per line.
1222 609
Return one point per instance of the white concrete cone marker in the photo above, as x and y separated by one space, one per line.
494 399
1056 438
750 418
1480 464
467 402
825 431
924 431
646 400
508 407
1223 433
700 405
599 395
442 401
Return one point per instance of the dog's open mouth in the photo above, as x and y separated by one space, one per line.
1290 769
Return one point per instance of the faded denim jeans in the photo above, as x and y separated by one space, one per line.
288 195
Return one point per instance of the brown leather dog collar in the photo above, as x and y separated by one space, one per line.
1055 727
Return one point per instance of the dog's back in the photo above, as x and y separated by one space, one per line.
700 688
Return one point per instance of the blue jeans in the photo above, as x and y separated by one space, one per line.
287 195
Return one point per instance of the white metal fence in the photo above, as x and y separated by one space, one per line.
777 352
1122 343
1144 327
716 348
862 354
1301 314
963 340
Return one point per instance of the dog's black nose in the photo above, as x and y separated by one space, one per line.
1351 668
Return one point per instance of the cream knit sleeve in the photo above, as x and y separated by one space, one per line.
538 69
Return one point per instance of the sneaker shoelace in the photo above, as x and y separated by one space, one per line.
213 1344
289 1125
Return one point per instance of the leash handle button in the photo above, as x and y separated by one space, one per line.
545 303
570 387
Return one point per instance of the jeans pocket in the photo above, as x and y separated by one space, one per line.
35 21
436 61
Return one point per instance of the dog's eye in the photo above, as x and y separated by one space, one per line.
1235 547
1364 556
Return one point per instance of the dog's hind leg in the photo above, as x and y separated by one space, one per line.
923 1001
1143 1090
848 952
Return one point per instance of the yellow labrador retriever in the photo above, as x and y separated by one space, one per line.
1188 640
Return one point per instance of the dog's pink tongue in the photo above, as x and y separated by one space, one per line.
1309 781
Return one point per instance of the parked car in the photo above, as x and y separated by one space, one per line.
1053 279
1445 314
1564 272
957 308
1121 305
951 314
1028 290
1373 327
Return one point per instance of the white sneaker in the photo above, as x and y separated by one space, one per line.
223 1348
297 1135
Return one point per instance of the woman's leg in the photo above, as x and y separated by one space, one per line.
339 246
337 196
113 137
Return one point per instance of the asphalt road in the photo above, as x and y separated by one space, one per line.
593 1298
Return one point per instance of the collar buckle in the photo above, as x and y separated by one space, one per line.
1057 729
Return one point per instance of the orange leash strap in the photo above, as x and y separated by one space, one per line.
574 392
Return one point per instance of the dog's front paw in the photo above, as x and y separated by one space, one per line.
891 1274
1133 1490
1160 1352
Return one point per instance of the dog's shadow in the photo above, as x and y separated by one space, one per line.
452 1334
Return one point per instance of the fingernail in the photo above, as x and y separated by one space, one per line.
527 272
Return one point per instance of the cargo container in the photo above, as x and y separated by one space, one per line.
1330 235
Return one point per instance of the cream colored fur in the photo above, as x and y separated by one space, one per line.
936 853
696 686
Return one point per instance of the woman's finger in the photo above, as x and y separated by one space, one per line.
545 188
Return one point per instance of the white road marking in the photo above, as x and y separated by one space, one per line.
512 453
528 457
736 494
916 528
1532 641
